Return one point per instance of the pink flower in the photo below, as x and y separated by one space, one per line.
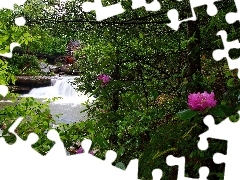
104 78
201 101
81 150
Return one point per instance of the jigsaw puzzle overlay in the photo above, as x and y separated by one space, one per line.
22 156
20 21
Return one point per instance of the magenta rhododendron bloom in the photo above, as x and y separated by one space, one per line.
80 151
104 78
201 101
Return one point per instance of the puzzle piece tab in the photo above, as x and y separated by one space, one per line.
20 21
224 53
173 14
232 17
12 46
22 156
9 4
157 174
3 90
101 11
153 6
58 150
226 130
180 162
24 147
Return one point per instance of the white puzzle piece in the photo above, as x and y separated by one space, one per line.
231 135
173 14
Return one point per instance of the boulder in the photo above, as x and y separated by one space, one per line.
33 81
19 89
47 67
66 68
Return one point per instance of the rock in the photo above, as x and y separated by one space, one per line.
19 89
65 68
44 67
33 81
47 67
74 73
56 70
61 73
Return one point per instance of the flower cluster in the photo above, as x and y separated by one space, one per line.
81 150
104 78
201 101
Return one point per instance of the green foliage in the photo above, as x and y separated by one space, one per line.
187 114
13 33
6 73
142 112
25 64
37 119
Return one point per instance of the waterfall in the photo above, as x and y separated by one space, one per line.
70 103
61 87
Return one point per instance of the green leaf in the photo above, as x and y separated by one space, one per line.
230 82
45 124
101 141
226 109
217 111
104 63
154 94
187 114
75 137
120 165
121 151
141 35
234 118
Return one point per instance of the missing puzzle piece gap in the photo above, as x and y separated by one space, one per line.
153 6
180 162
9 4
219 54
173 14
110 156
203 173
12 46
86 145
132 169
157 174
101 11
219 158
232 17
203 142
15 125
32 138
3 90
58 149
20 21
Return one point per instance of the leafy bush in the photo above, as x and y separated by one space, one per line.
152 71
37 119
24 64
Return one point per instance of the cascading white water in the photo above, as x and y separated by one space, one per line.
61 87
69 106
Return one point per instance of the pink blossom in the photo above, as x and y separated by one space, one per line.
81 150
104 78
201 101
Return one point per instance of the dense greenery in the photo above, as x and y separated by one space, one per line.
152 70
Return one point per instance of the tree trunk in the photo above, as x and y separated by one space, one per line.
194 60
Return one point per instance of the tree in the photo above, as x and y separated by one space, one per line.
147 62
